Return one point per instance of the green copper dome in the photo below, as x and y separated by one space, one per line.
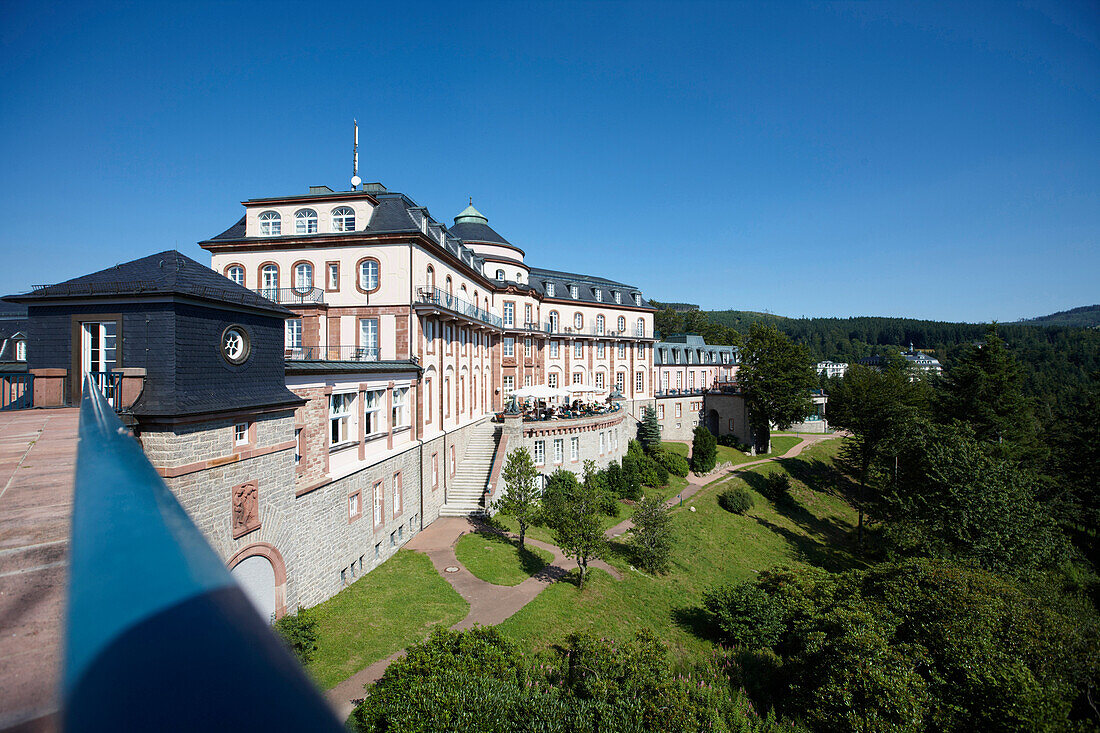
470 215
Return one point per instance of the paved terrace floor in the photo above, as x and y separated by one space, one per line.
37 456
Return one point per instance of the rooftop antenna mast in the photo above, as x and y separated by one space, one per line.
355 179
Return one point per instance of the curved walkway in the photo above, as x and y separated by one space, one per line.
697 483
489 604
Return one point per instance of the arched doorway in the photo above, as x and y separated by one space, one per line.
261 573
712 421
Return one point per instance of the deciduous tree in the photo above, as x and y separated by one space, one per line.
572 509
776 377
521 497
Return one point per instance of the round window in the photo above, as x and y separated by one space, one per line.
235 345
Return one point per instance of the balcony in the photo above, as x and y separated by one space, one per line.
331 353
293 296
551 330
445 301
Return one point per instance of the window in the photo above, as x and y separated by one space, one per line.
620 382
679 380
343 219
354 509
540 452
508 385
574 449
554 349
553 321
334 276
639 328
527 315
299 446
622 324
578 349
372 411
599 380
599 295
509 346
397 505
599 324
578 377
269 279
526 380
691 380
435 470
500 275
639 382
621 350
305 221
637 298
303 277
618 296
573 292
578 320
453 464
378 503
641 351
559 450
549 290
731 424
294 334
271 224
679 410
368 340
527 348
601 348
509 314
368 275
240 433
602 441
660 412
339 417
399 413
552 380
236 274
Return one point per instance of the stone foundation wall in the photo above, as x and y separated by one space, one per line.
682 427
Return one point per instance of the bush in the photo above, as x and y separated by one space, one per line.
743 614
299 632
674 463
631 487
776 488
730 441
704 450
737 501
653 534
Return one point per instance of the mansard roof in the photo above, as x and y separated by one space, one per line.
688 348
587 286
164 273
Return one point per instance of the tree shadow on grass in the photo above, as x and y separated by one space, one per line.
812 551
822 477
694 620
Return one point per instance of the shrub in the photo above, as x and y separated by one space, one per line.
743 614
730 441
674 463
704 450
776 488
631 487
737 501
653 534
299 632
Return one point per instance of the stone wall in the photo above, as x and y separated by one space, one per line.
617 429
680 427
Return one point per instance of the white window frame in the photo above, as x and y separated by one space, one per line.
601 349
554 348
305 221
559 451
599 294
294 334
271 224
372 412
600 324
368 340
398 412
303 276
240 433
573 292
368 280
236 274
578 321
552 380
540 453
549 290
621 350
343 219
578 349
508 314
341 407
507 384
527 348
574 449
508 346
333 276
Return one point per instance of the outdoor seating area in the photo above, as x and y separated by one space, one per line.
540 403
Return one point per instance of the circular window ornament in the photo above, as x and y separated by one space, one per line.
235 345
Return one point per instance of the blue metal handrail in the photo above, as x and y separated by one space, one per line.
443 299
16 391
158 634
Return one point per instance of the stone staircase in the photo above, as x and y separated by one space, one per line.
466 489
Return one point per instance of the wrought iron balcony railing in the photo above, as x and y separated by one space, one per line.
292 296
332 353
445 300
158 634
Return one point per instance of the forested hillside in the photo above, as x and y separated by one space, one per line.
1056 360
1087 316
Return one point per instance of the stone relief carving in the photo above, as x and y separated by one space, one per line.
245 508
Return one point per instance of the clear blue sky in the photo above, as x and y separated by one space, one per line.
929 160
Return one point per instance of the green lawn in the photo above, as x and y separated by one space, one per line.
712 546
780 445
391 607
498 560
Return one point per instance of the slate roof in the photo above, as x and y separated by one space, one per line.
469 231
320 367
690 347
164 273
9 311
587 285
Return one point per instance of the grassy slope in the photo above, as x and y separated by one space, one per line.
498 560
391 607
780 445
713 546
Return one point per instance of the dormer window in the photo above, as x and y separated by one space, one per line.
573 292
599 295
500 275
549 290
20 350
271 224
618 296
305 221
343 219
637 298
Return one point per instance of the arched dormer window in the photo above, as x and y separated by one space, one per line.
622 324
305 221
236 274
500 275
271 224
303 277
20 350
343 219
369 272
599 325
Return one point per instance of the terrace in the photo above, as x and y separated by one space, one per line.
444 303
